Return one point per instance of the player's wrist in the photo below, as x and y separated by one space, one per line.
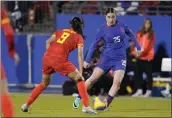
12 53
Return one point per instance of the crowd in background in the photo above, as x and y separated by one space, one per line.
37 13
122 7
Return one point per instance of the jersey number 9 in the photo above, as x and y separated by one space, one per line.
63 37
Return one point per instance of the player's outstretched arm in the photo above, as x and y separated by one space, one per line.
132 37
91 51
99 36
9 36
50 40
80 58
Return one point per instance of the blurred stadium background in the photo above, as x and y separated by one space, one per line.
35 21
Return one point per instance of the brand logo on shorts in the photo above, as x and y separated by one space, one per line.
123 62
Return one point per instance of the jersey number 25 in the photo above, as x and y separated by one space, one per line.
63 37
117 39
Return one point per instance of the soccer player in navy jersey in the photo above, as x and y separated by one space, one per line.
113 53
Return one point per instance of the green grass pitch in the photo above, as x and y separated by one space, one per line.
61 106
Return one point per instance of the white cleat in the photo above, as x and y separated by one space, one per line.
138 93
147 94
88 110
24 108
166 93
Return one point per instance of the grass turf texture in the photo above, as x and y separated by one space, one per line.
61 106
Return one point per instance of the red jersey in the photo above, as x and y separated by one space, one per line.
4 17
66 41
147 45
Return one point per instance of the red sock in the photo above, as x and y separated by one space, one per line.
35 93
83 92
7 106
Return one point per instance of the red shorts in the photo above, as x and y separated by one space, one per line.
3 76
63 67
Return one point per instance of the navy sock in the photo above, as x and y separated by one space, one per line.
79 96
109 100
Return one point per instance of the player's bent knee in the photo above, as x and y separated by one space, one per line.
75 76
92 80
78 78
4 87
46 80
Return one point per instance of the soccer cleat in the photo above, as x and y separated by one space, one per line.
138 93
148 93
88 110
166 93
76 103
24 108
106 109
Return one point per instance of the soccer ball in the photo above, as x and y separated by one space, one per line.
99 103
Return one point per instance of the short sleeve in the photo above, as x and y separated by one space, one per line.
4 17
80 41
54 34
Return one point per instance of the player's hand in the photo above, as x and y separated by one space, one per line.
16 58
86 65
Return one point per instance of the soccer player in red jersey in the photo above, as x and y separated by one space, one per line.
6 102
55 59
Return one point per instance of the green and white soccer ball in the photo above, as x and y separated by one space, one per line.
99 103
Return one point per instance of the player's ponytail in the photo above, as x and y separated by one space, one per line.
77 24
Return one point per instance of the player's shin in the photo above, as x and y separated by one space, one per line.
83 92
88 84
37 90
35 93
112 92
118 76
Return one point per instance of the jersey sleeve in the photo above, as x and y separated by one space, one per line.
8 31
4 17
132 36
80 41
54 34
99 36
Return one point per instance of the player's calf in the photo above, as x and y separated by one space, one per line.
118 76
89 82
36 92
76 76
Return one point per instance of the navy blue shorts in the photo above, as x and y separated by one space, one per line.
106 64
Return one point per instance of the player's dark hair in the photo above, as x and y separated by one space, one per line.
109 10
77 24
150 30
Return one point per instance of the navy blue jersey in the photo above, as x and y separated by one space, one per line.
113 36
